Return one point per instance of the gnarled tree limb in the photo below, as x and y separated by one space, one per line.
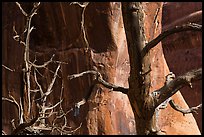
100 80
184 111
185 27
173 86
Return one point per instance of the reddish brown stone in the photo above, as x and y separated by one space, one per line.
58 32
183 51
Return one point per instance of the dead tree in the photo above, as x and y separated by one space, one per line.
30 122
146 103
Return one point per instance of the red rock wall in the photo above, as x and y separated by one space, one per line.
183 51
170 121
58 32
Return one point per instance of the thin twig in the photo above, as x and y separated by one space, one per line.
68 132
17 36
83 27
83 5
52 72
13 124
3 132
53 81
43 65
39 73
78 105
21 114
50 114
19 5
36 81
12 100
81 74
12 70
41 128
47 108
34 90
60 62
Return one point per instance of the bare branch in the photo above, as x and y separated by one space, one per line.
43 65
62 89
42 128
68 132
64 114
50 114
78 105
40 88
34 90
111 86
76 128
185 27
17 36
24 13
39 73
173 86
3 132
184 111
21 114
83 27
192 17
12 100
27 73
13 124
60 62
100 80
26 43
9 100
26 52
83 5
81 74
12 70
47 108
53 81
36 5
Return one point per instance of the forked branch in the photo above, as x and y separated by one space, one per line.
184 111
173 86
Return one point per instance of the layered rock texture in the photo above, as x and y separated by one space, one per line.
58 31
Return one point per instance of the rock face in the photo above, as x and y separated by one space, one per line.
183 51
58 31
170 121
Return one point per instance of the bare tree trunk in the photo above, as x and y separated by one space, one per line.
144 68
139 82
